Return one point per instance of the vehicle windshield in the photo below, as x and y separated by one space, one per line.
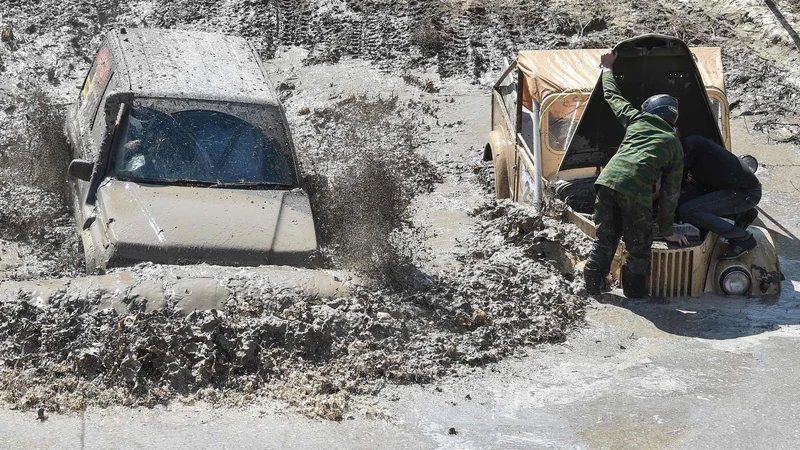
163 142
563 117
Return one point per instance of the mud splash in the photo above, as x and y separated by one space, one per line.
363 171
65 352
37 235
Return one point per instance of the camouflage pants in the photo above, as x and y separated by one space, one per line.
617 215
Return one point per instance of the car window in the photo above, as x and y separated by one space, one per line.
93 87
716 110
238 151
508 91
197 145
155 146
563 115
99 125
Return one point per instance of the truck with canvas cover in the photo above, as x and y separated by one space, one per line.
553 132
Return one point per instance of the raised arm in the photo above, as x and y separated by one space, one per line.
622 108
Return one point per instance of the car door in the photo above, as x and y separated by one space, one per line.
504 122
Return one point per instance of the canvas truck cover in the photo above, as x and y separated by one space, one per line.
645 66
550 71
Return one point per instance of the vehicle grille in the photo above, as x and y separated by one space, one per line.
671 273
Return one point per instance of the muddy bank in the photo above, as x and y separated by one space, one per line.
65 350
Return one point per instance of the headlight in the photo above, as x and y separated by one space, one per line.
735 281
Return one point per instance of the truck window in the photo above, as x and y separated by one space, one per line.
716 110
719 109
163 142
508 91
99 123
94 85
563 116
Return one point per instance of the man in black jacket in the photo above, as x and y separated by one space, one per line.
720 187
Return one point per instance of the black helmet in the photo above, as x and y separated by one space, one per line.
664 106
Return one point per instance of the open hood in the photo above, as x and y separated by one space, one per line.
645 66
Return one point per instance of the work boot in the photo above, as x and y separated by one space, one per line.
593 280
738 247
746 218
633 285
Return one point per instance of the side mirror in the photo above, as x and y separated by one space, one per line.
81 169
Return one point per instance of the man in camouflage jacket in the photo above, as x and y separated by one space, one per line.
649 151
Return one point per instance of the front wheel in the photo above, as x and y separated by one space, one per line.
496 179
89 255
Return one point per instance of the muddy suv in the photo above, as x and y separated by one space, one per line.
183 155
552 133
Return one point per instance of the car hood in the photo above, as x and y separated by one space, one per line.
180 224
645 66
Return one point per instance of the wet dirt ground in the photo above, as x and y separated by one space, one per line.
420 311
696 373
710 372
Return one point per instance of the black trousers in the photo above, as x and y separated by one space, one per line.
706 209
619 216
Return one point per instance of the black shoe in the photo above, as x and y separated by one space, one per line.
593 280
746 218
633 285
739 247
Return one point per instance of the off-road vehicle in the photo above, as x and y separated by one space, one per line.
183 155
552 133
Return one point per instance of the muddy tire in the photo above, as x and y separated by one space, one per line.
577 194
89 257
498 180
486 177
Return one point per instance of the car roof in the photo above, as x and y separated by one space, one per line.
191 64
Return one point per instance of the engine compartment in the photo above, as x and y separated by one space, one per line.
579 195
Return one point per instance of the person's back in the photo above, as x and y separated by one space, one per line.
650 148
721 187
649 151
712 168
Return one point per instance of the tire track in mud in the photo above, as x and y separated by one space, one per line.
471 38
378 30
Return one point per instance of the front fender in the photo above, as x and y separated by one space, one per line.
761 262
501 152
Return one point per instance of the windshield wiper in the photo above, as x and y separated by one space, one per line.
165 181
212 184
253 184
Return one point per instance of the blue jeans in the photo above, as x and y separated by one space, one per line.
705 210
